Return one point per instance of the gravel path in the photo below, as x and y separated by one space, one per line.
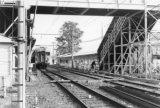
39 94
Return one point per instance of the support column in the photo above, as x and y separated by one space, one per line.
130 47
103 62
114 57
108 57
103 65
21 54
122 71
146 40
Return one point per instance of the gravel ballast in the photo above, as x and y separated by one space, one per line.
42 94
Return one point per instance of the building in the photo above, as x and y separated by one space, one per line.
6 62
81 61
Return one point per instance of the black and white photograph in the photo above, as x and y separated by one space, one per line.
79 53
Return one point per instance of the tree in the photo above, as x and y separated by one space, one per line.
69 39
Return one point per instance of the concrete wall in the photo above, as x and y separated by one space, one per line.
6 64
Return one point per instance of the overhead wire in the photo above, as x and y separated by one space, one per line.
53 23
91 40
70 10
89 20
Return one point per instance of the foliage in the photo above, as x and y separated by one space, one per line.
69 32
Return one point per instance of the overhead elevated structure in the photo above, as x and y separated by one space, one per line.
127 46
130 46
89 7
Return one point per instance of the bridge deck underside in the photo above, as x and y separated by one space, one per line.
84 11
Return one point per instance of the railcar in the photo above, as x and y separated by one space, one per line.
39 59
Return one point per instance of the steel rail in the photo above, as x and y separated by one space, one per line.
86 75
83 74
119 104
151 91
134 99
139 94
153 104
131 94
122 81
142 84
69 92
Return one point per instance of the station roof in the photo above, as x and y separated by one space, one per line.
78 54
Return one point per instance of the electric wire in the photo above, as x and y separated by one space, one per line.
53 23
92 40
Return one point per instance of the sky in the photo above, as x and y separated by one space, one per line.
94 28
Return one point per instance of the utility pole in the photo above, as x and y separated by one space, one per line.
21 54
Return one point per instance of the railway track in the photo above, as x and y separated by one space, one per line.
86 97
134 97
139 98
154 90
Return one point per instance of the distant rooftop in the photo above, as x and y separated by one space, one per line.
4 39
79 54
